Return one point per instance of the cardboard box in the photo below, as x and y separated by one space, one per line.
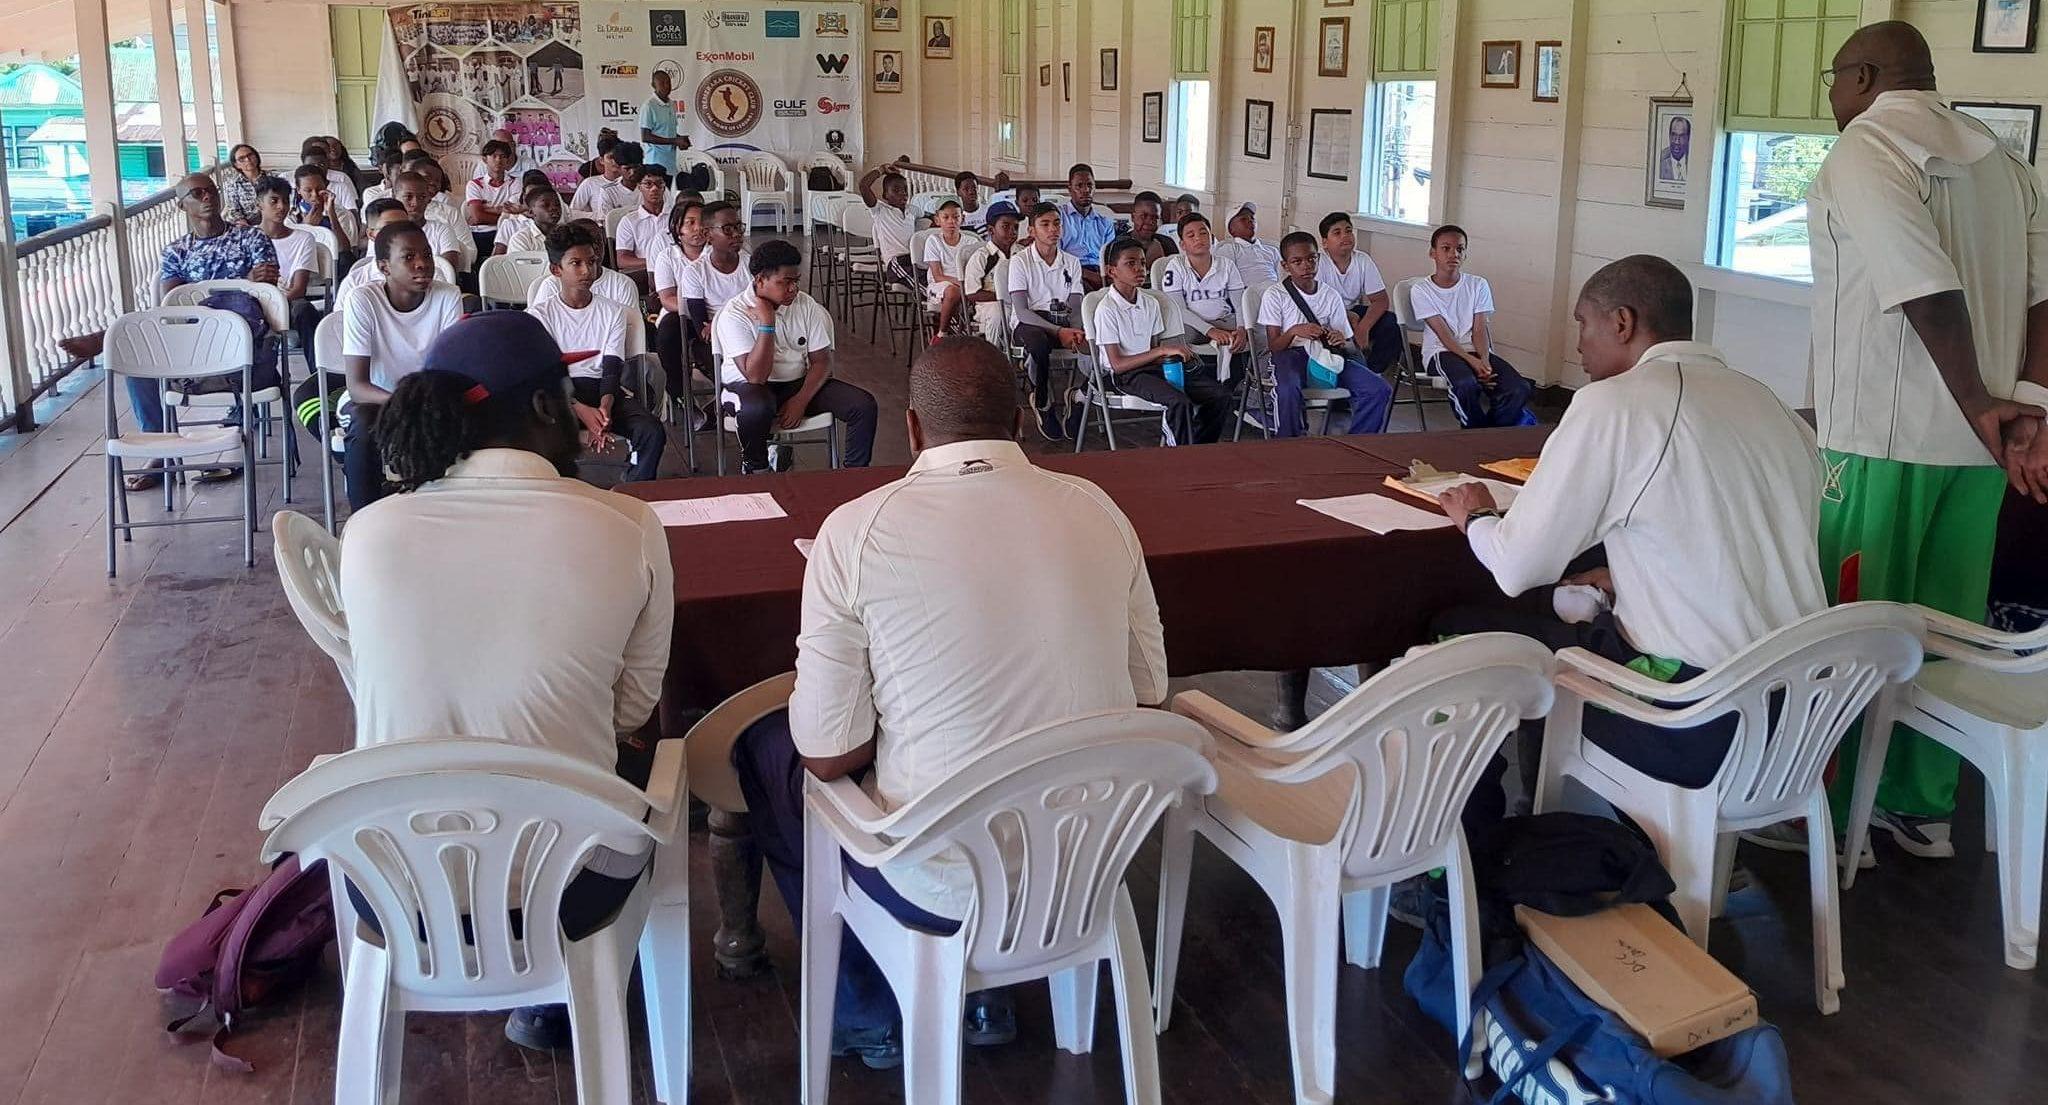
1640 966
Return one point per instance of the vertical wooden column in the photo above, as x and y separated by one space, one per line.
170 102
199 44
96 79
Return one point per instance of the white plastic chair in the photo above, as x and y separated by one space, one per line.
506 279
810 199
164 343
1327 818
1820 673
309 565
729 422
1413 372
1097 392
612 219
1048 821
444 837
688 159
324 235
765 182
320 285
265 401
1985 695
327 351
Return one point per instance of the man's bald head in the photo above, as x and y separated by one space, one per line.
190 181
963 389
1882 57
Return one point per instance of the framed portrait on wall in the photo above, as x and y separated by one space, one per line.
1333 59
939 42
1045 76
1153 117
1329 144
2006 26
2017 126
1500 65
1670 154
1108 77
1067 82
1258 129
888 71
1549 72
885 15
1262 49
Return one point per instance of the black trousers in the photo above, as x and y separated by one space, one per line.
676 345
1503 403
631 420
306 323
1194 416
1384 342
1038 344
758 404
362 460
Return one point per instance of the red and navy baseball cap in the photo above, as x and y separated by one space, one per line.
509 354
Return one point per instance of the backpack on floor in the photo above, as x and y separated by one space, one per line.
249 948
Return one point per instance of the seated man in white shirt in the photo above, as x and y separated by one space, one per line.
1704 490
1257 261
607 188
415 192
528 231
972 600
582 322
387 327
775 362
1128 323
1208 289
1364 292
1307 329
489 541
1046 289
644 232
979 274
1456 311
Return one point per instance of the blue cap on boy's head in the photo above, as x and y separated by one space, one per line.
999 209
508 353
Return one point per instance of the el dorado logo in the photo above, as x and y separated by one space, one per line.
833 65
617 69
613 25
831 25
779 23
668 27
729 102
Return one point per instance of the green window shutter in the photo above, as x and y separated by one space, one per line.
1777 50
1191 38
1404 40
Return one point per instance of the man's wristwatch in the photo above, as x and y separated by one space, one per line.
1482 512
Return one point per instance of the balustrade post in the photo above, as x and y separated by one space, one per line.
18 383
124 265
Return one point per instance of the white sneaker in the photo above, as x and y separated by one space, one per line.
1790 836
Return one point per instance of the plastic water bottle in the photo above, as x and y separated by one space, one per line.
1176 373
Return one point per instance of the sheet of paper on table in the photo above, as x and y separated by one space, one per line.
755 507
803 545
1377 513
1429 487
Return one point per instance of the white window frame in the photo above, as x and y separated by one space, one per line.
1376 97
1732 187
1183 123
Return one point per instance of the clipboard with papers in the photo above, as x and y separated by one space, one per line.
1427 483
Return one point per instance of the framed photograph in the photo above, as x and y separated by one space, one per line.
888 71
2006 26
1153 117
1262 49
1500 65
1334 59
885 15
1067 82
1329 144
938 43
1549 72
1336 3
1258 129
1045 76
2017 126
1670 153
1108 79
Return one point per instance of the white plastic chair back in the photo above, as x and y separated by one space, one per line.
443 271
321 234
1413 740
858 221
1404 304
445 844
1048 821
764 172
460 168
508 277
1158 272
162 342
309 565
277 309
327 343
688 159
1255 334
323 262
830 161
970 244
613 218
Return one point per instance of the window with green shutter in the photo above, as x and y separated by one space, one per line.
1010 109
1776 52
1191 38
1404 40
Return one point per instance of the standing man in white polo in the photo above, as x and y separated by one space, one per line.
1930 251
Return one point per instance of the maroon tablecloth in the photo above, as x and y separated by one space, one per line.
1246 578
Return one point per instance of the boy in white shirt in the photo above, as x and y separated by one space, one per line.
893 222
1045 297
528 232
720 273
945 287
1128 323
1364 292
978 276
1146 212
414 192
1208 289
1258 262
1322 331
390 163
295 257
580 322
973 216
1454 307
606 188
644 231
387 326
494 193
314 205
775 363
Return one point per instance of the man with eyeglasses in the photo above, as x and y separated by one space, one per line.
1930 281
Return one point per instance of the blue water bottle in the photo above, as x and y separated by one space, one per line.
1176 373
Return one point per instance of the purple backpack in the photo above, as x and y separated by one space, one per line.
249 947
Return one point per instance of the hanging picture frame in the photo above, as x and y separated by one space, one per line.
888 71
1329 143
1500 64
1669 162
885 15
1067 82
2016 126
1258 129
1109 75
1544 88
1333 57
1045 76
1263 40
2006 26
940 44
1153 117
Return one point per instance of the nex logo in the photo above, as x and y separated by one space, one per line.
832 63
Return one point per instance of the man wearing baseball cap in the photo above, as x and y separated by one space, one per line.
491 539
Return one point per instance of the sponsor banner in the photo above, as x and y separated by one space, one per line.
770 75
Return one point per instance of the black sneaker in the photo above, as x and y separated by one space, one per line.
539 1027
991 1020
1926 837
1051 426
1077 420
878 1048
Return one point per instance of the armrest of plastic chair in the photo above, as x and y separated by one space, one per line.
1954 638
709 742
1253 748
1596 692
853 819
668 789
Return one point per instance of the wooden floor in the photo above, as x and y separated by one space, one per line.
147 718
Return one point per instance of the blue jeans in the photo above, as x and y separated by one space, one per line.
772 779
146 397
1371 397
1505 403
